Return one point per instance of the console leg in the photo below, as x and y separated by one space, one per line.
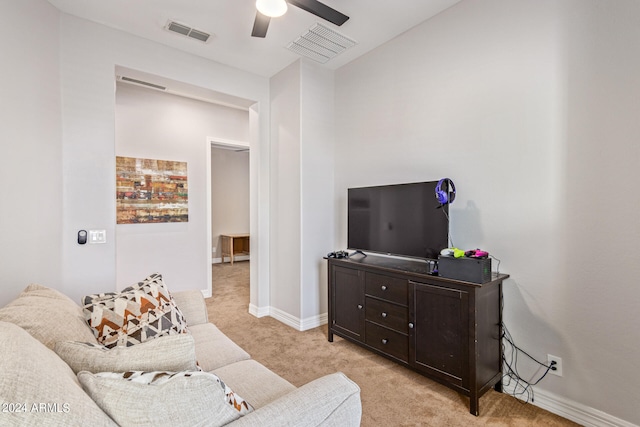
473 408
474 405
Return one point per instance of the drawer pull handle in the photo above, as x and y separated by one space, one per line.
384 314
384 288
359 306
385 341
410 325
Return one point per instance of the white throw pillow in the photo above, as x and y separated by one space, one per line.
168 353
164 398
48 315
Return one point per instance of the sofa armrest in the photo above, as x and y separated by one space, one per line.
332 400
192 306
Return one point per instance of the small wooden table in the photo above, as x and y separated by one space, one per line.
233 244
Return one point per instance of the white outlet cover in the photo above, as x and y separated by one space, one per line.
558 366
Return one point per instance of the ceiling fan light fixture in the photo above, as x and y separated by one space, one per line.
271 8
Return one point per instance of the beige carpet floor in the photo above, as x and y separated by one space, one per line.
391 394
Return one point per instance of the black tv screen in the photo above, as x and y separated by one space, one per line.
403 219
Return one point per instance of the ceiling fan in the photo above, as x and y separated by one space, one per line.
268 9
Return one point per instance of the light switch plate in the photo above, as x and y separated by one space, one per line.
97 236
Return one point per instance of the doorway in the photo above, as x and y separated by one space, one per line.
229 211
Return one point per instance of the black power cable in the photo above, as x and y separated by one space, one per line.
522 387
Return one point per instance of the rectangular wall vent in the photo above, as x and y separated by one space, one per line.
141 82
321 43
187 31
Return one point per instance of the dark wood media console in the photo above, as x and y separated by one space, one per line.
445 329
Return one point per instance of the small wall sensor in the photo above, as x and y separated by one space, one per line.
82 237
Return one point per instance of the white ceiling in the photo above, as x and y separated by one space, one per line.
371 23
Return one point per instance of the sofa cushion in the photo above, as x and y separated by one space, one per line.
48 315
41 387
332 400
214 349
254 382
164 398
136 314
169 353
192 305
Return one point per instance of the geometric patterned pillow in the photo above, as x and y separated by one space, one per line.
136 314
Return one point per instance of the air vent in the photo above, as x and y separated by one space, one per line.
187 31
321 43
141 82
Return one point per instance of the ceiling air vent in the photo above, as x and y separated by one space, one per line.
321 43
187 31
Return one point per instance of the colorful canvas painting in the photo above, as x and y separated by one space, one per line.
151 191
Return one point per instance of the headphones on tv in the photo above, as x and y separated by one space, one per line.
442 196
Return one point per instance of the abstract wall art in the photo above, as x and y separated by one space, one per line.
151 191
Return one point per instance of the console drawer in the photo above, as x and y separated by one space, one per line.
384 313
388 341
386 287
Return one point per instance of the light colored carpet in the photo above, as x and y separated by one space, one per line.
391 394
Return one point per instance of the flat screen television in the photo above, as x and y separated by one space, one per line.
402 219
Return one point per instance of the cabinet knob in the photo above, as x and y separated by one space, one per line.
384 288
359 306
384 341
410 325
384 314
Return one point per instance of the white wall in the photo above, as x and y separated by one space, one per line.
89 55
317 192
31 140
531 108
155 125
285 191
229 192
302 216
596 303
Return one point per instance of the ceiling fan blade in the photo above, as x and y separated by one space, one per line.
321 10
260 25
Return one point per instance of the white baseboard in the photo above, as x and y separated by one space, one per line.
314 321
258 311
285 318
236 258
289 320
574 411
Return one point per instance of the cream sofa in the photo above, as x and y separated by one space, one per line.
42 328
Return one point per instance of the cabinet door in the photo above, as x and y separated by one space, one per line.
440 332
347 300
